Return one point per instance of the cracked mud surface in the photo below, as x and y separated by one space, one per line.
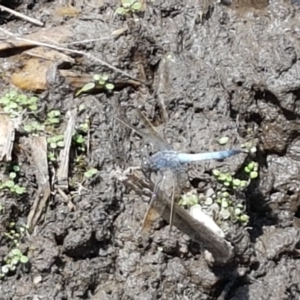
213 70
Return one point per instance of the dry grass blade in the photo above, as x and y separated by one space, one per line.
7 136
63 170
21 16
40 162
59 48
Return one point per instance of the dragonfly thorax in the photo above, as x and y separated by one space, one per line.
163 160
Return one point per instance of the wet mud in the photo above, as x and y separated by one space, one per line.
205 70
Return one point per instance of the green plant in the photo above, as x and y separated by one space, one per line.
129 6
34 127
15 256
188 199
12 260
53 117
51 156
56 141
90 173
100 80
10 183
223 140
79 141
85 126
13 103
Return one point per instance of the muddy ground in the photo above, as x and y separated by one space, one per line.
211 70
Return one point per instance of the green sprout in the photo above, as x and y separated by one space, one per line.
100 80
51 156
14 103
53 117
129 6
34 127
79 141
189 200
90 173
223 140
13 259
56 141
10 183
13 187
85 126
252 170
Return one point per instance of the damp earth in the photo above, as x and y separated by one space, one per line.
201 71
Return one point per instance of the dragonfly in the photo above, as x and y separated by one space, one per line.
166 158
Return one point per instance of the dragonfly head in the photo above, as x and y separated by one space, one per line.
146 164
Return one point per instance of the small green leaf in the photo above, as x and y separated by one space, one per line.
224 203
237 211
9 183
19 190
33 107
53 145
90 173
253 150
244 183
127 3
4 100
251 165
216 172
236 182
16 252
97 77
27 128
244 218
247 170
12 175
104 77
53 120
228 178
23 99
223 140
136 6
120 11
253 175
84 127
81 107
79 139
222 177
24 259
109 86
12 94
5 269
61 144
15 260
87 87
33 100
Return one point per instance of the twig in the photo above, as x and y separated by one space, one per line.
89 56
21 16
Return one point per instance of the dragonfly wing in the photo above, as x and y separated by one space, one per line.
152 135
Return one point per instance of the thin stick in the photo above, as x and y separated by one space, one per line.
172 209
21 16
89 56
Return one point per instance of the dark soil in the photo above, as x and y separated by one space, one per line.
212 70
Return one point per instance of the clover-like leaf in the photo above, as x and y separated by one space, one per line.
136 6
24 259
109 86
